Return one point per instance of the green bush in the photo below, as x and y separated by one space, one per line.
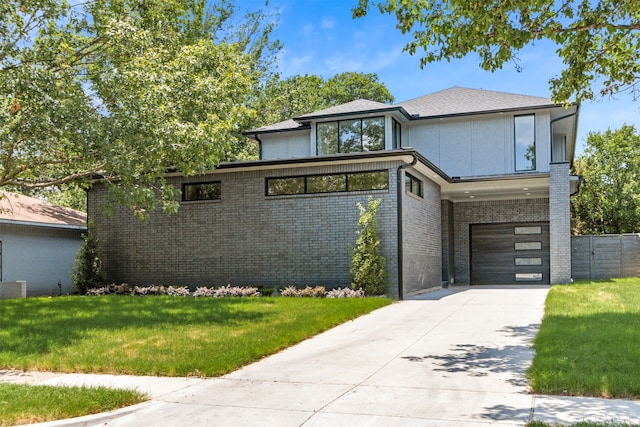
368 271
88 272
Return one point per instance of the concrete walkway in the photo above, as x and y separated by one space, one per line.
455 357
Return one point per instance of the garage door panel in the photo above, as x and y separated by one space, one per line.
514 253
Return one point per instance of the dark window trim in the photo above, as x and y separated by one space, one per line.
515 144
413 183
361 119
345 174
396 143
186 184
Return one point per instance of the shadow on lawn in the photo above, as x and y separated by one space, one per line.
37 325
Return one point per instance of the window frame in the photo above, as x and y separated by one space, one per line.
196 184
338 143
305 187
411 182
516 158
396 138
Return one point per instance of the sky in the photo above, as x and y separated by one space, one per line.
320 37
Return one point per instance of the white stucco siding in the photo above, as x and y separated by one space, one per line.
476 146
41 256
285 145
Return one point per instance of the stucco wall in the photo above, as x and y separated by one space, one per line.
41 256
484 212
246 238
421 252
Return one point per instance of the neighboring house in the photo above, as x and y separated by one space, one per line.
38 243
475 189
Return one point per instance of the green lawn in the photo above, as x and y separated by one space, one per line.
161 335
24 404
589 341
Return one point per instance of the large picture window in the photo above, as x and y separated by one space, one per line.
525 142
349 136
328 183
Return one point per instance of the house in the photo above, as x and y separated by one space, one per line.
474 188
38 243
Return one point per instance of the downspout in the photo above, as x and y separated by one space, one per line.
399 198
257 138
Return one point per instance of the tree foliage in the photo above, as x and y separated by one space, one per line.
598 41
367 262
126 89
283 99
609 197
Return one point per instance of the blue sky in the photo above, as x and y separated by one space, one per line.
320 37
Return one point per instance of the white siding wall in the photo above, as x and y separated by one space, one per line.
475 146
286 145
41 256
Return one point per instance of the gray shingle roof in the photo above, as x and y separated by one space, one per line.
447 102
459 100
356 106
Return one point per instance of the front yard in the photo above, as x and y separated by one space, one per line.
588 343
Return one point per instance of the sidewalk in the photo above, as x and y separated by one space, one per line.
450 358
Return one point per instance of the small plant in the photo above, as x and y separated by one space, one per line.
203 291
345 293
88 271
178 291
236 291
367 263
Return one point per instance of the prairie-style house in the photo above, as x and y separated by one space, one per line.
474 188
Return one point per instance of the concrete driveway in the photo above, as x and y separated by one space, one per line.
455 357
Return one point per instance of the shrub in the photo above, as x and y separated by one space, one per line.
236 291
367 263
178 291
345 293
203 292
88 271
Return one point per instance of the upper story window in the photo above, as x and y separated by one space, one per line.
525 142
348 136
397 134
201 191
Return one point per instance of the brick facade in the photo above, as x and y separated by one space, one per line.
560 223
247 238
496 211
421 246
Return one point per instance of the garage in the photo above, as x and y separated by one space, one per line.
507 254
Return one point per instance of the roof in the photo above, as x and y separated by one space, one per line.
448 102
460 100
24 209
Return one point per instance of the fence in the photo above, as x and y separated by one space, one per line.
604 257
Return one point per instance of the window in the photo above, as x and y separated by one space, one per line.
328 183
397 135
528 246
201 191
534 229
525 142
412 185
349 136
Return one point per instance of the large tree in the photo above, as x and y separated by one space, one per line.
598 40
609 197
284 99
125 89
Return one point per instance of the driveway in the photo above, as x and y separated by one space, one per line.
454 357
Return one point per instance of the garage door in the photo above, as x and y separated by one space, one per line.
514 253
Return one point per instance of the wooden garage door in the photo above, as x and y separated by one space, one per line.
514 253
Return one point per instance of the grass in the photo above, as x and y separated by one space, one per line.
25 404
588 341
161 335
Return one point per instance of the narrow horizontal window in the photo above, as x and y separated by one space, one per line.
285 186
528 277
529 261
328 183
412 185
528 230
201 191
528 246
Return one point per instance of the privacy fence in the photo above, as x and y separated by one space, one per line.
604 257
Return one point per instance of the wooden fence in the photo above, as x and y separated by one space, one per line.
604 257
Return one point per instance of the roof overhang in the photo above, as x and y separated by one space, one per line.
503 187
